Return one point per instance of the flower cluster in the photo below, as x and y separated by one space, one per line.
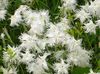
43 34
3 7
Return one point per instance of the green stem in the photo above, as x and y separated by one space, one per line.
21 69
3 41
8 36
25 29
88 40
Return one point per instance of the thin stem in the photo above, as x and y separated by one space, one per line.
88 40
25 29
7 34
3 41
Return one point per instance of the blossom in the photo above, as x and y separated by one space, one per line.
79 57
35 68
61 68
27 41
15 20
32 42
90 27
85 7
41 60
91 72
73 44
94 8
2 35
2 14
27 57
59 54
69 4
55 35
98 23
38 66
3 4
17 17
9 71
44 16
82 15
8 55
38 21
63 25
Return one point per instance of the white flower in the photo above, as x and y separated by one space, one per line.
17 17
26 37
90 27
38 66
2 14
59 54
3 4
35 68
2 35
10 55
15 20
38 21
82 15
63 25
32 42
27 57
44 16
36 29
91 72
28 41
42 43
73 44
55 35
6 57
22 8
41 60
69 4
79 57
98 23
94 8
5 71
85 7
61 68
9 71
76 54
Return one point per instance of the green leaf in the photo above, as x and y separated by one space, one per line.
1 72
79 70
